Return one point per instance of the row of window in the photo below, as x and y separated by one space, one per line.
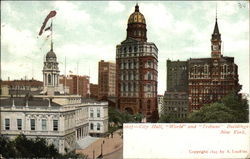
98 126
32 124
176 102
130 49
175 96
98 113
177 109
176 68
208 91
205 69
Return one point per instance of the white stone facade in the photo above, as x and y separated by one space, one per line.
63 121
98 119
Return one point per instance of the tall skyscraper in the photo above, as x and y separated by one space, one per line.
210 79
200 81
106 80
136 65
176 96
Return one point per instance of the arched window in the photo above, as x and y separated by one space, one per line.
130 49
149 64
125 50
124 87
149 87
135 49
125 65
134 64
49 79
149 76
135 86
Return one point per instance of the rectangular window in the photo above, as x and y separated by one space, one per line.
91 113
98 126
19 124
32 124
91 126
55 125
7 124
44 124
98 113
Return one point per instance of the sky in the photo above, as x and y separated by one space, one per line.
86 32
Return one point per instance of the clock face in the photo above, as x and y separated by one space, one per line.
215 47
49 65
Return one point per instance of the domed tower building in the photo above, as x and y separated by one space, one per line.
50 73
136 64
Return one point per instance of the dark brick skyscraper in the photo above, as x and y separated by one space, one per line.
136 65
199 81
210 79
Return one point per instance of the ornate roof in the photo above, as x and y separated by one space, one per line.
136 17
51 54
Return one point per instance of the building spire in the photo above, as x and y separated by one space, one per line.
216 28
136 7
216 12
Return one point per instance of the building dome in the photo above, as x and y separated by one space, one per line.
137 26
136 17
50 54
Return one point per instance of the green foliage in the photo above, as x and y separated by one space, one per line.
231 109
23 147
117 118
7 148
214 113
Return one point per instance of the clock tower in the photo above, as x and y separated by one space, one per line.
216 42
50 72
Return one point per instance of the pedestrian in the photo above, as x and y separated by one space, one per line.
112 134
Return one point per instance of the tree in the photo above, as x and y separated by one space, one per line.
214 113
231 109
23 147
7 148
239 106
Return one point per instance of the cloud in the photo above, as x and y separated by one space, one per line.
17 42
70 14
115 7
86 35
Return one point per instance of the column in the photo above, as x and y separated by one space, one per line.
82 132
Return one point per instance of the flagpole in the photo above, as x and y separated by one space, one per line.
51 25
77 78
65 77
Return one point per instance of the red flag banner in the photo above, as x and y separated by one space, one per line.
50 15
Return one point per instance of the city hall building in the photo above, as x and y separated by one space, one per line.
61 119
